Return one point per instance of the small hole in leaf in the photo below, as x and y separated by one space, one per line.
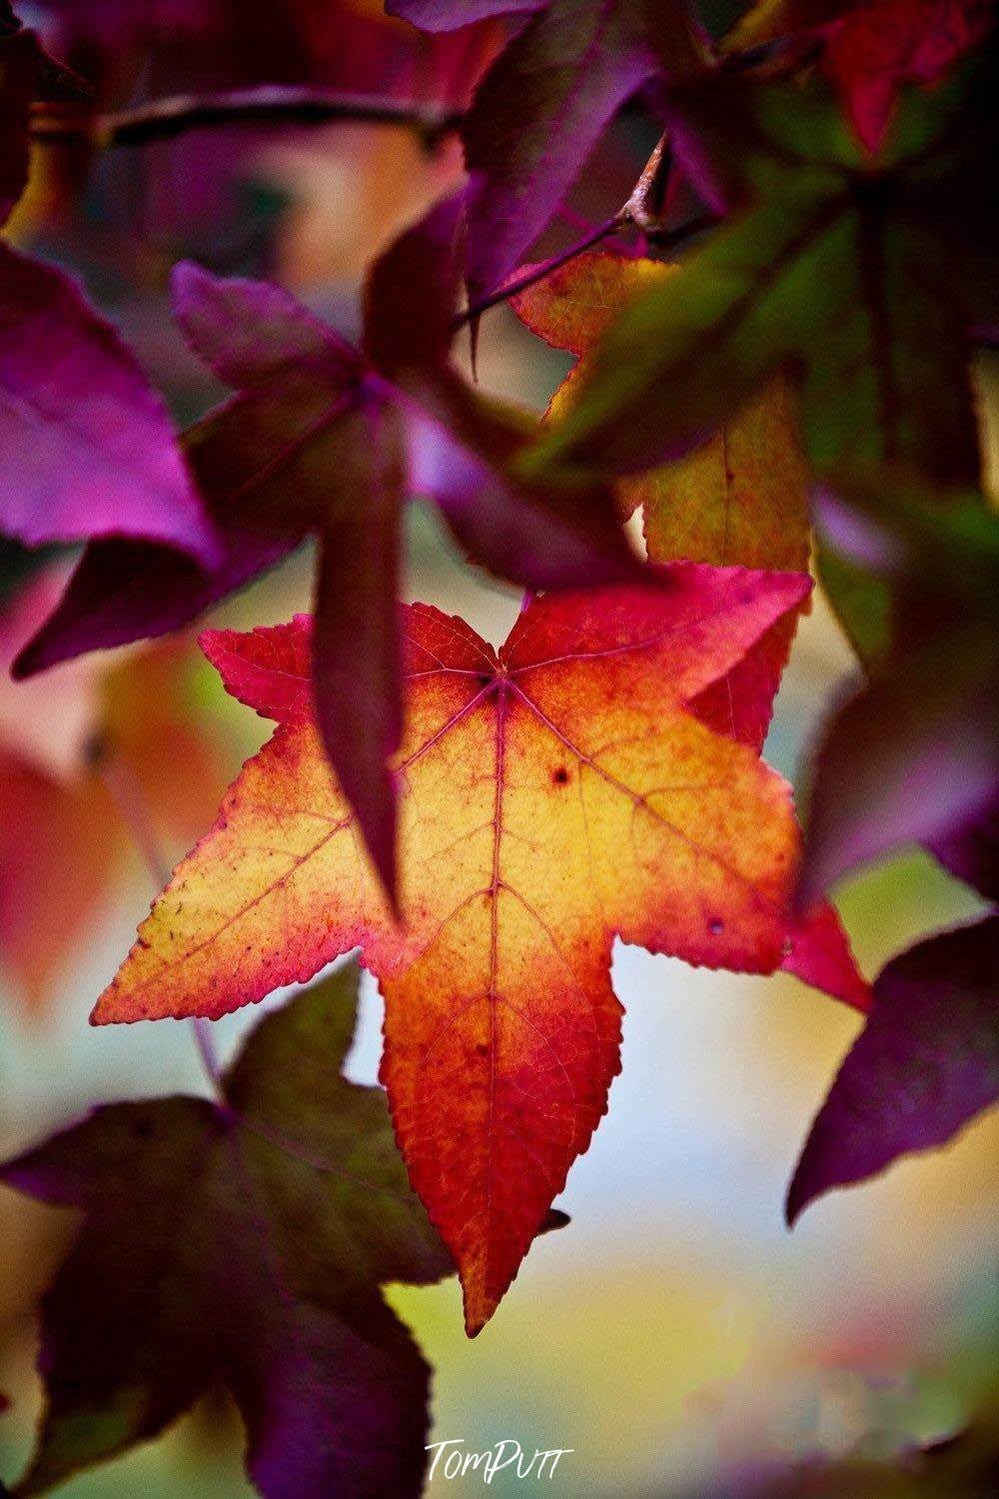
716 926
560 776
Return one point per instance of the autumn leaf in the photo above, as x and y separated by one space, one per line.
544 103
869 50
553 796
62 737
925 1064
244 1241
326 438
865 279
741 498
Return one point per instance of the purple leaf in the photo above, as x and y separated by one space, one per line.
971 851
448 15
356 669
251 333
551 535
87 446
925 1064
542 106
401 329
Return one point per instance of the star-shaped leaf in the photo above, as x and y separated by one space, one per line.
244 1241
555 795
326 438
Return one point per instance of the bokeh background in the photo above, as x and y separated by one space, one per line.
675 1335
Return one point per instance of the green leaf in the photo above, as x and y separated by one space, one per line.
857 274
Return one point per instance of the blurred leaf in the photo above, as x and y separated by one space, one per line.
912 756
62 839
971 851
70 472
869 50
244 1241
925 1064
55 82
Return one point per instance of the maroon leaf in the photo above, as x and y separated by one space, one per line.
925 1064
247 1242
971 851
323 438
55 82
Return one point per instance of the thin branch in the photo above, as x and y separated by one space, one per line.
633 212
128 797
270 103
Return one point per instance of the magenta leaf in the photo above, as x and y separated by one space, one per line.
909 758
925 1064
87 448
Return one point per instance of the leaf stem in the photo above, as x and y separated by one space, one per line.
165 118
126 792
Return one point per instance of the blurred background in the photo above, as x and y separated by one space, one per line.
675 1336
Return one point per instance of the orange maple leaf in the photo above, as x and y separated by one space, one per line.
554 795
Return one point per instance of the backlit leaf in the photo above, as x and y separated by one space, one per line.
552 797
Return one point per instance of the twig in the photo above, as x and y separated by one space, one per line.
272 103
633 212
127 795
